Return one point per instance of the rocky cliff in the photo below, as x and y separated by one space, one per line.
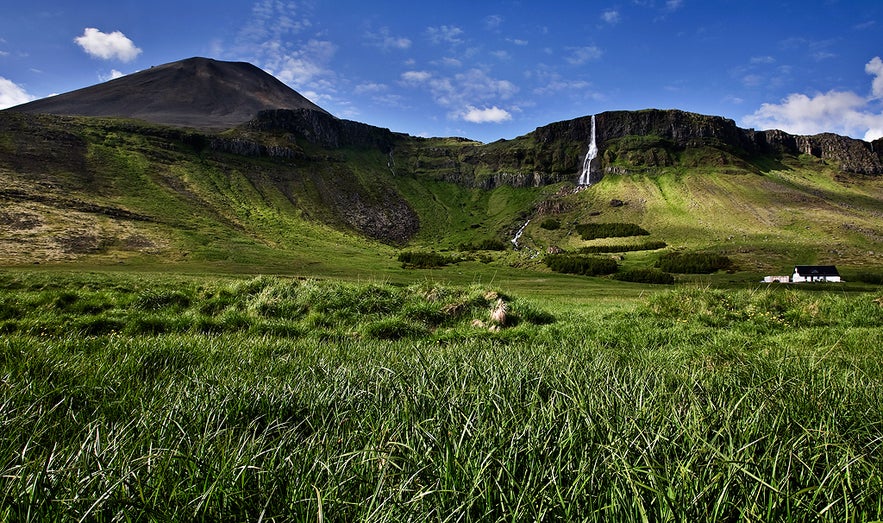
322 129
675 131
554 153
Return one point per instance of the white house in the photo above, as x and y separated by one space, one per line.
776 279
815 273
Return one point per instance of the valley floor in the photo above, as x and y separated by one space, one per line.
145 397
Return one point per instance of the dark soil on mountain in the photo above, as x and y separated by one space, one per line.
198 92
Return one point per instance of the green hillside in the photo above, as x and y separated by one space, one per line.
109 192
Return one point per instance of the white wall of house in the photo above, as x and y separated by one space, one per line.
797 278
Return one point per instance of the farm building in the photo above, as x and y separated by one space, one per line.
776 279
815 273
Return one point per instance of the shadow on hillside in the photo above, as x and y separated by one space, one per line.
765 164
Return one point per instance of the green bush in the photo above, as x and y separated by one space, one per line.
551 224
653 276
646 246
692 262
425 260
583 265
874 278
490 244
590 231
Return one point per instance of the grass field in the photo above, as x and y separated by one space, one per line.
148 372
132 397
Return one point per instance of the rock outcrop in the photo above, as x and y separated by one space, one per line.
322 129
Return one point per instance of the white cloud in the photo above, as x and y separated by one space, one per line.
875 67
517 41
463 92
674 5
276 38
107 46
302 67
610 16
487 115
416 76
843 112
444 34
113 75
12 94
581 55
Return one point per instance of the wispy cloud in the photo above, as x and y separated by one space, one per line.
559 85
472 93
493 22
370 87
581 55
762 60
279 37
844 112
416 77
12 94
107 46
610 16
386 41
449 34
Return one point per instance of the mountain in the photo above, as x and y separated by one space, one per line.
198 92
297 189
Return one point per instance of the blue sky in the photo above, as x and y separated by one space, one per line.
484 69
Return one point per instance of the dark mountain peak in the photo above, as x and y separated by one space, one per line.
197 92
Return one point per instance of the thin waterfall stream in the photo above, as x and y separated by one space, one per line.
585 177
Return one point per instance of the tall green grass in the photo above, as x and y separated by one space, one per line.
691 405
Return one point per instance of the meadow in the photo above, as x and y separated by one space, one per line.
138 397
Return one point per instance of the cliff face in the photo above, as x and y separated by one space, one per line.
320 128
678 130
554 153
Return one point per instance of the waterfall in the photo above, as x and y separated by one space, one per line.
518 234
585 176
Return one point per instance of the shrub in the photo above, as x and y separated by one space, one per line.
653 276
874 278
490 244
551 224
590 231
583 265
425 260
692 262
646 246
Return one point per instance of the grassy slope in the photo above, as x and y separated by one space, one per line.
221 212
767 222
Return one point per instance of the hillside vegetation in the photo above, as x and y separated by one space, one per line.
267 198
